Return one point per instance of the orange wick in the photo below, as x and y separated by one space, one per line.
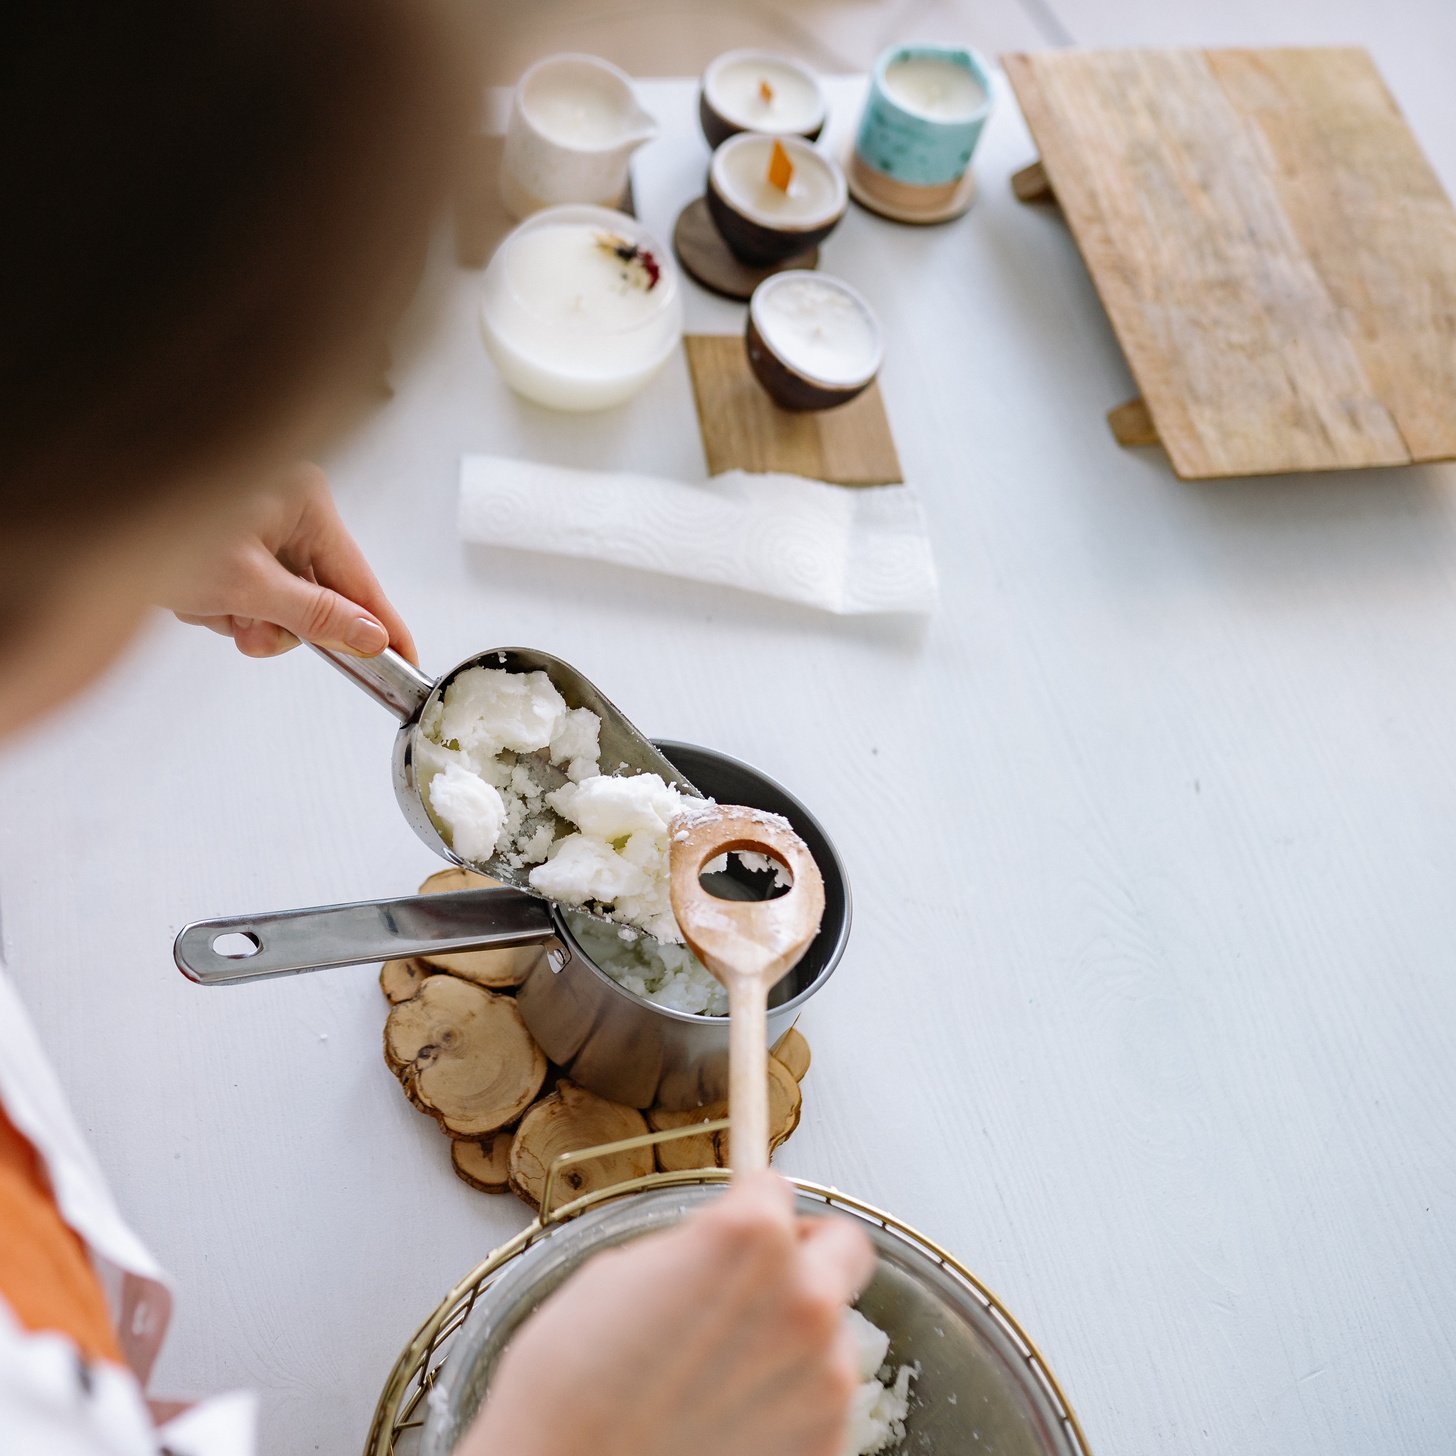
780 168
765 93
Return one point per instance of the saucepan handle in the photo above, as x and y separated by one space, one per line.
285 942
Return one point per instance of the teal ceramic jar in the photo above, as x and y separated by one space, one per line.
926 109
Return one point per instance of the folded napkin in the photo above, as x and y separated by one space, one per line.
848 550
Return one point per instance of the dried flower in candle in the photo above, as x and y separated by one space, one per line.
639 267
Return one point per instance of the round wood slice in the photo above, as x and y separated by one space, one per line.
463 1055
899 203
481 1162
793 1051
497 969
456 878
399 980
704 255
711 1150
569 1119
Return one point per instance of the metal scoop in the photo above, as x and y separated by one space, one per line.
402 688
287 942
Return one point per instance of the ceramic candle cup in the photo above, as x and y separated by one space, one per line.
581 308
759 91
762 223
812 341
575 122
926 109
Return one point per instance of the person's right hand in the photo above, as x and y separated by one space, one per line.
721 1337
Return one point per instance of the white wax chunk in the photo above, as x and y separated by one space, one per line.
668 975
735 89
486 709
934 87
819 327
571 324
620 856
475 761
881 1405
471 809
816 192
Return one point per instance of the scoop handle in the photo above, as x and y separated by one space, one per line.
286 942
391 680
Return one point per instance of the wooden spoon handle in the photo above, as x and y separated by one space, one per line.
748 1074
748 945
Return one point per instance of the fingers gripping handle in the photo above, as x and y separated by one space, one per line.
255 947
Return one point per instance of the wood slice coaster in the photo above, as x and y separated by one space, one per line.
1274 252
743 429
899 202
463 1056
705 256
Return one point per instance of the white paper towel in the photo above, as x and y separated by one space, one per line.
846 549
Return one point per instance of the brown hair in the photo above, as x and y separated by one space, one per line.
208 208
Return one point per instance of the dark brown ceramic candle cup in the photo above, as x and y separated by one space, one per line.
762 223
760 92
812 341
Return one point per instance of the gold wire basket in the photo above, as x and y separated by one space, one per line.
400 1407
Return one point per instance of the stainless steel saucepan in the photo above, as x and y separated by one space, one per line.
606 1037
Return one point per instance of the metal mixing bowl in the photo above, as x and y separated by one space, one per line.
981 1386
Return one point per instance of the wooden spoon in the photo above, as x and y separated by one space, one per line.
749 945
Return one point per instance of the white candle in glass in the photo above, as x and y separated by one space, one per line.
821 328
759 91
581 308
931 86
816 193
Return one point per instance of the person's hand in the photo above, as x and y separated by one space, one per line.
285 569
721 1337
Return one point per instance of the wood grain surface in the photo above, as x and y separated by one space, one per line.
1275 253
743 429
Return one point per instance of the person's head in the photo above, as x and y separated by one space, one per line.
214 210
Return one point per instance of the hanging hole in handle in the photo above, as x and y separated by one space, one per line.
237 945
746 875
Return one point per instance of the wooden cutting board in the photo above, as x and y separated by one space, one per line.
1276 255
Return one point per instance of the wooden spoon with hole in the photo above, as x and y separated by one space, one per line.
749 945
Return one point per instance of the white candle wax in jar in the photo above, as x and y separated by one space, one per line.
816 192
573 114
819 327
581 308
933 87
760 92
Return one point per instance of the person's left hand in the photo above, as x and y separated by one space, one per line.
287 570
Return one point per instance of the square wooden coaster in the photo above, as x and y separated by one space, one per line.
743 429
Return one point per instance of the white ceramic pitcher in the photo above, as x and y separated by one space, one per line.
575 122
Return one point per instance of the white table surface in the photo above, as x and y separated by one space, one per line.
1152 831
